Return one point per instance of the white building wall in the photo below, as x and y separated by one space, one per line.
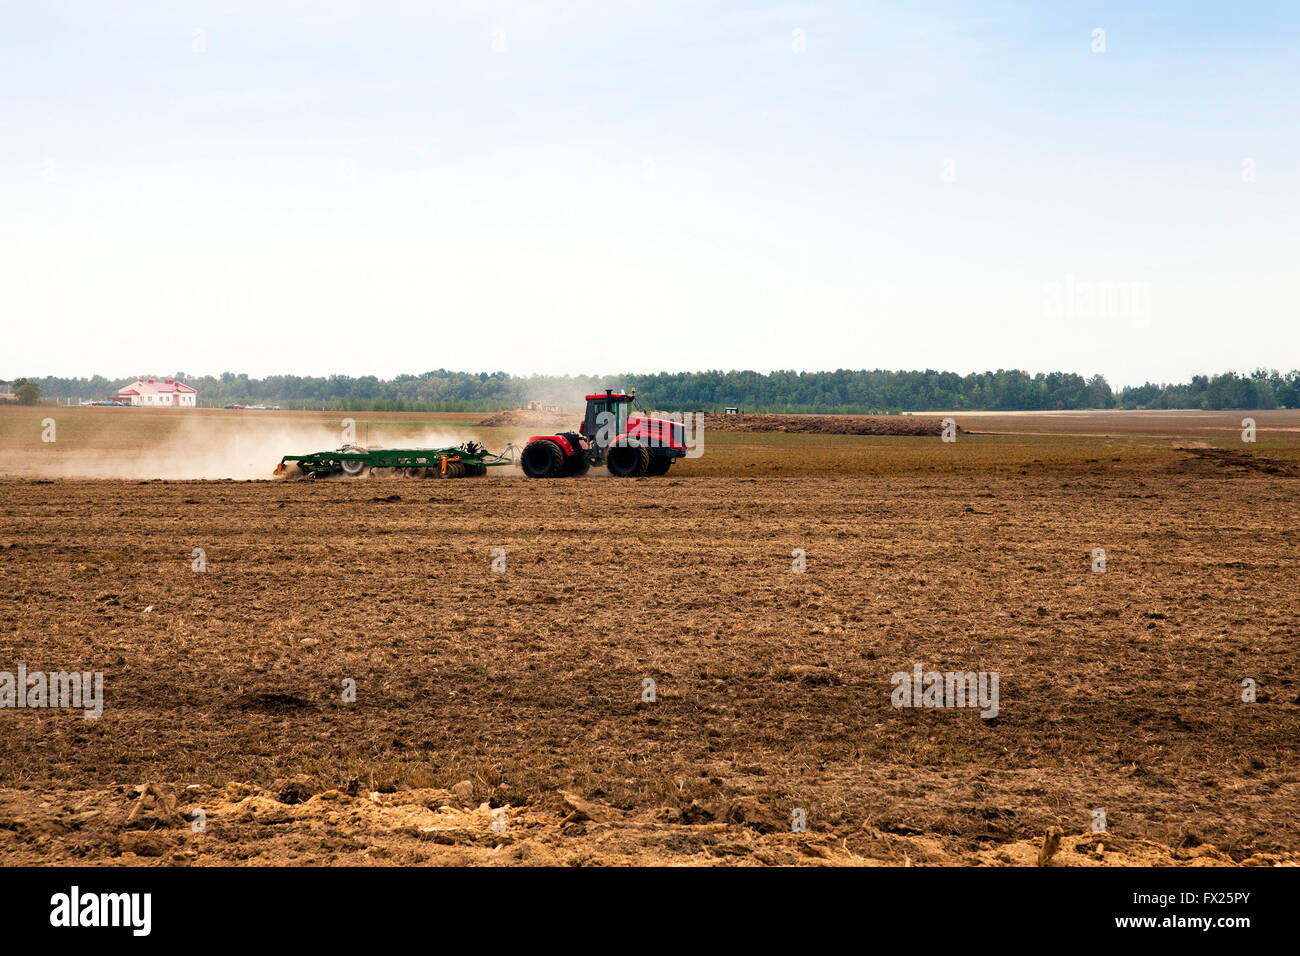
165 399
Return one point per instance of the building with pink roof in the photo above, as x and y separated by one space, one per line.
159 393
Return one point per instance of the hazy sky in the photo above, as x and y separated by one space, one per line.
374 188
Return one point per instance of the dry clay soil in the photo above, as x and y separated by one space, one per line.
504 716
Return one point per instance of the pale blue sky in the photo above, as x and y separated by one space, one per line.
594 187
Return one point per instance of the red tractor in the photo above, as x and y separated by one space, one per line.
627 446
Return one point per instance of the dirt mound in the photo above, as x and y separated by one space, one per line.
522 417
827 424
807 424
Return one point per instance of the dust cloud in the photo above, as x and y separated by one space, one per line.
240 447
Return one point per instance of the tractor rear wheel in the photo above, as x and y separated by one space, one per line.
576 465
659 465
627 461
542 459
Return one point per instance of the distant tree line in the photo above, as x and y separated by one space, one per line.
845 390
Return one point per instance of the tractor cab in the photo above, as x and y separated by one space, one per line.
607 415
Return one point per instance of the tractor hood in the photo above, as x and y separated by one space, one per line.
658 431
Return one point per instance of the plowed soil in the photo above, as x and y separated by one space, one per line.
499 715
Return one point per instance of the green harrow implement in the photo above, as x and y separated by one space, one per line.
470 460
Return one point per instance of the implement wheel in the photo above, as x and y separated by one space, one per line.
354 469
627 461
542 459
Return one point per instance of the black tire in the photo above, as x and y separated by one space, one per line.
627 461
576 465
475 471
455 469
659 465
542 459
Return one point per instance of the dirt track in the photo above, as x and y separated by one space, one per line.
1119 690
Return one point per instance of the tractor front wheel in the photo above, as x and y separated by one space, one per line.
542 459
627 461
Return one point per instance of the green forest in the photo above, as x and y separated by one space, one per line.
845 390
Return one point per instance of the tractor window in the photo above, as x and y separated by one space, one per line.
605 419
592 423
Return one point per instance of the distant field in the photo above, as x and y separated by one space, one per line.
213 443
